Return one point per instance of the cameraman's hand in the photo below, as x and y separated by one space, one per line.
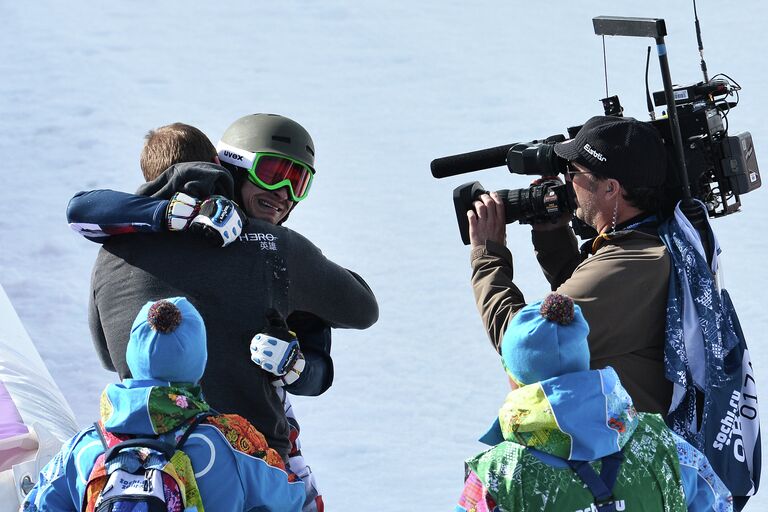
486 221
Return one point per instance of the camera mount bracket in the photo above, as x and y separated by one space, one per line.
657 29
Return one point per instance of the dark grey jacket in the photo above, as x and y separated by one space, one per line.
232 287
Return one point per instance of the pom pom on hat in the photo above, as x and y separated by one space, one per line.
546 339
167 342
164 316
558 308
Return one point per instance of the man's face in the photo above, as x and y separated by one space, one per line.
269 205
586 187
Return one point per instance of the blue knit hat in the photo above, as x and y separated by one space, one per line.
546 339
167 342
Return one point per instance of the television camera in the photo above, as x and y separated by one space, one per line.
707 163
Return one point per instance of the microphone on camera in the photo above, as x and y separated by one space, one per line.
468 162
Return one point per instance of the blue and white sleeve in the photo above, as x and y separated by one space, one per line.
99 214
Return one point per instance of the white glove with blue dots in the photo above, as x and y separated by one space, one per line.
276 350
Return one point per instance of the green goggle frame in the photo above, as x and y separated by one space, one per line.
272 171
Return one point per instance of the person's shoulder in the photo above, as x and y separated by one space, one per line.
506 450
122 254
234 426
198 179
645 236
506 457
632 244
184 169
85 446
651 419
239 435
654 426
120 243
259 231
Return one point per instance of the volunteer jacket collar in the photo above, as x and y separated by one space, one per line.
149 407
577 416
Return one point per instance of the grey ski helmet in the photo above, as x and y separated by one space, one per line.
271 133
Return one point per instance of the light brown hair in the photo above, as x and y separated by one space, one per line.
173 144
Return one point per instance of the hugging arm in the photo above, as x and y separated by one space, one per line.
338 297
99 214
299 356
315 341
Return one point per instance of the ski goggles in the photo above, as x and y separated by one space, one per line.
271 171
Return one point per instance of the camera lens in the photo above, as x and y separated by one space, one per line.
535 159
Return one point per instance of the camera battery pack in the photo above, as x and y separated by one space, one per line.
740 163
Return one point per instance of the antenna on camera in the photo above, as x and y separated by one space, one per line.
701 45
605 68
649 102
656 29
611 104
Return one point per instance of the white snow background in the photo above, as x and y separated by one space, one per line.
384 87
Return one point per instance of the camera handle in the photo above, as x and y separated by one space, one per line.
657 29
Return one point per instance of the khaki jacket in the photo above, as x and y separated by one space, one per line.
621 289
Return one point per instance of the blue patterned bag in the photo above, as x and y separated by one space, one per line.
706 351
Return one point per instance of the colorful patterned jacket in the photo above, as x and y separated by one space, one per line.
585 416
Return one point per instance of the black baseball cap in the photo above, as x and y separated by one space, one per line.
621 148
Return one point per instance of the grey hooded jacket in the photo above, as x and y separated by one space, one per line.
233 287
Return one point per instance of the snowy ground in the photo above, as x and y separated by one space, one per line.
384 87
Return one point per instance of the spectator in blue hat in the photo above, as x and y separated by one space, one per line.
167 354
569 438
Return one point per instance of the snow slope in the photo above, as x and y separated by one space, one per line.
384 87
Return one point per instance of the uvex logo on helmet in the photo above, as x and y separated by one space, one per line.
233 156
594 153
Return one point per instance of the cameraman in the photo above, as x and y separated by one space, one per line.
619 278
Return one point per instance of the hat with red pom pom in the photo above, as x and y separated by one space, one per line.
546 339
167 342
